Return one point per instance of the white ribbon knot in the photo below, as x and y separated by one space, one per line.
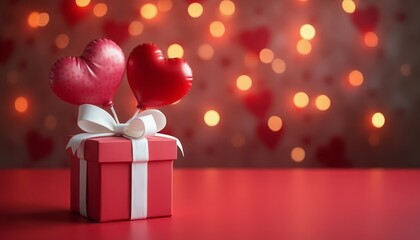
96 122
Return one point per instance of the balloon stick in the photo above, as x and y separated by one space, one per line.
115 114
135 114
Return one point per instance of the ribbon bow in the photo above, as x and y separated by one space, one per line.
96 122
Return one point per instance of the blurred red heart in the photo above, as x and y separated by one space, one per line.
116 31
154 80
366 19
259 103
255 40
91 78
38 146
268 137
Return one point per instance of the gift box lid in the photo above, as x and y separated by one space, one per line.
119 149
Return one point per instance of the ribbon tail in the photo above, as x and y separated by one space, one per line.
178 143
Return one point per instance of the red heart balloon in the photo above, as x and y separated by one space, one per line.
154 80
91 78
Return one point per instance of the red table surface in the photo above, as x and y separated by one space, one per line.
229 204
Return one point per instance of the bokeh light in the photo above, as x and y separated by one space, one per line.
217 29
211 118
378 120
266 55
301 99
304 47
62 41
205 51
348 6
227 7
243 82
135 28
274 123
43 19
322 102
195 9
82 3
21 104
100 9
148 11
175 51
355 78
371 39
164 5
307 31
33 19
297 154
278 65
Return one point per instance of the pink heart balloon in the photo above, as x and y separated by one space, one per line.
91 78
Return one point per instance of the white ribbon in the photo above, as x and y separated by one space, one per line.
96 122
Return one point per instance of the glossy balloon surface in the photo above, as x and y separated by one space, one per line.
155 80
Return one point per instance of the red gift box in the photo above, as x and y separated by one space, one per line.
109 185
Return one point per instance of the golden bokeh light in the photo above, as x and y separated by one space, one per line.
100 9
348 6
164 5
266 55
297 154
175 51
43 19
355 78
62 41
227 7
135 28
82 3
275 123
50 122
278 65
195 9
243 82
371 39
211 118
307 31
304 47
378 120
33 19
322 102
205 51
301 99
21 104
217 29
148 11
